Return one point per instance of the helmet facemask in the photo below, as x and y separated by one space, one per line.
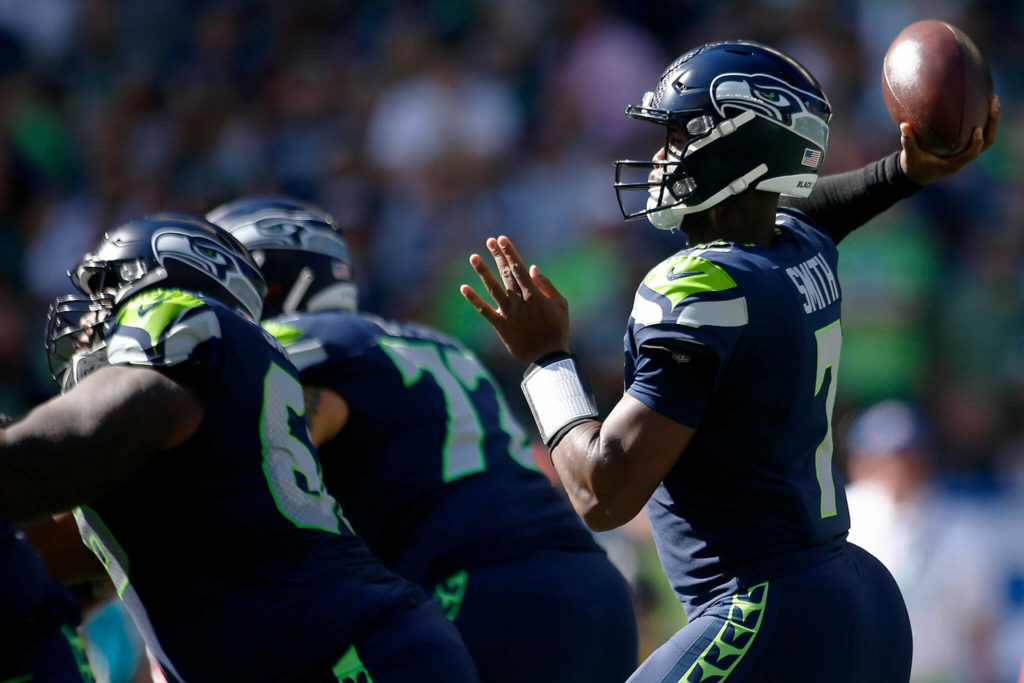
651 188
77 324
76 327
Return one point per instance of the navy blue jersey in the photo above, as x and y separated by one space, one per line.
38 618
232 558
432 469
27 593
755 494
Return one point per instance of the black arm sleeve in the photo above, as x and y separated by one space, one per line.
842 202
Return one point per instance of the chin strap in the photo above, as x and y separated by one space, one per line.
670 218
298 290
557 397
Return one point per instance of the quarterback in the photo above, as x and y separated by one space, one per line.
732 351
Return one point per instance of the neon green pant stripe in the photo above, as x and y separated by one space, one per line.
450 593
350 669
744 619
78 650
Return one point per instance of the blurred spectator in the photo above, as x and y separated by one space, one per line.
890 272
938 550
436 139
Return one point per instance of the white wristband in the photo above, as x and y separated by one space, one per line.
556 396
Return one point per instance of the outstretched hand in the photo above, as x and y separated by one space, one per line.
532 317
924 167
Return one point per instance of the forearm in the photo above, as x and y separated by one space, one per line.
58 457
37 480
587 466
843 202
566 414
610 469
71 449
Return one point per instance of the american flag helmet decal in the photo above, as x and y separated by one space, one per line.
812 157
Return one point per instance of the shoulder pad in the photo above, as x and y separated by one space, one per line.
303 351
161 327
691 290
283 332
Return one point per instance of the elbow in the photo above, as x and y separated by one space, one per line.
599 522
598 482
607 515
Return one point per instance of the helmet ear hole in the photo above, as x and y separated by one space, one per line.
93 282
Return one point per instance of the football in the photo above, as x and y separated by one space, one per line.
935 78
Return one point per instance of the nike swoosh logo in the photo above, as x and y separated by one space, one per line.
143 310
686 273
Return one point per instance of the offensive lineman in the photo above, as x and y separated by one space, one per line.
420 448
180 438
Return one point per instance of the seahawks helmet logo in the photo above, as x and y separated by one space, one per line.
213 258
198 251
804 113
275 228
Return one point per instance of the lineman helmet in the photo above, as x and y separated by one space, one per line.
161 250
299 248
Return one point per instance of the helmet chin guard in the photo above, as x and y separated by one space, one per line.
737 116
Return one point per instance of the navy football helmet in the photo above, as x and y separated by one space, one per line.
738 115
173 250
299 248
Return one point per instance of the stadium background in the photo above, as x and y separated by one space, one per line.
427 126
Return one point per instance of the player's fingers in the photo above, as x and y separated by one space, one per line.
995 110
546 286
907 138
976 145
482 307
504 267
982 139
490 283
516 264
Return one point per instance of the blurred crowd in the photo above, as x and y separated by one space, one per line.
426 126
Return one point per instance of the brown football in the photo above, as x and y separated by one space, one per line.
935 78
